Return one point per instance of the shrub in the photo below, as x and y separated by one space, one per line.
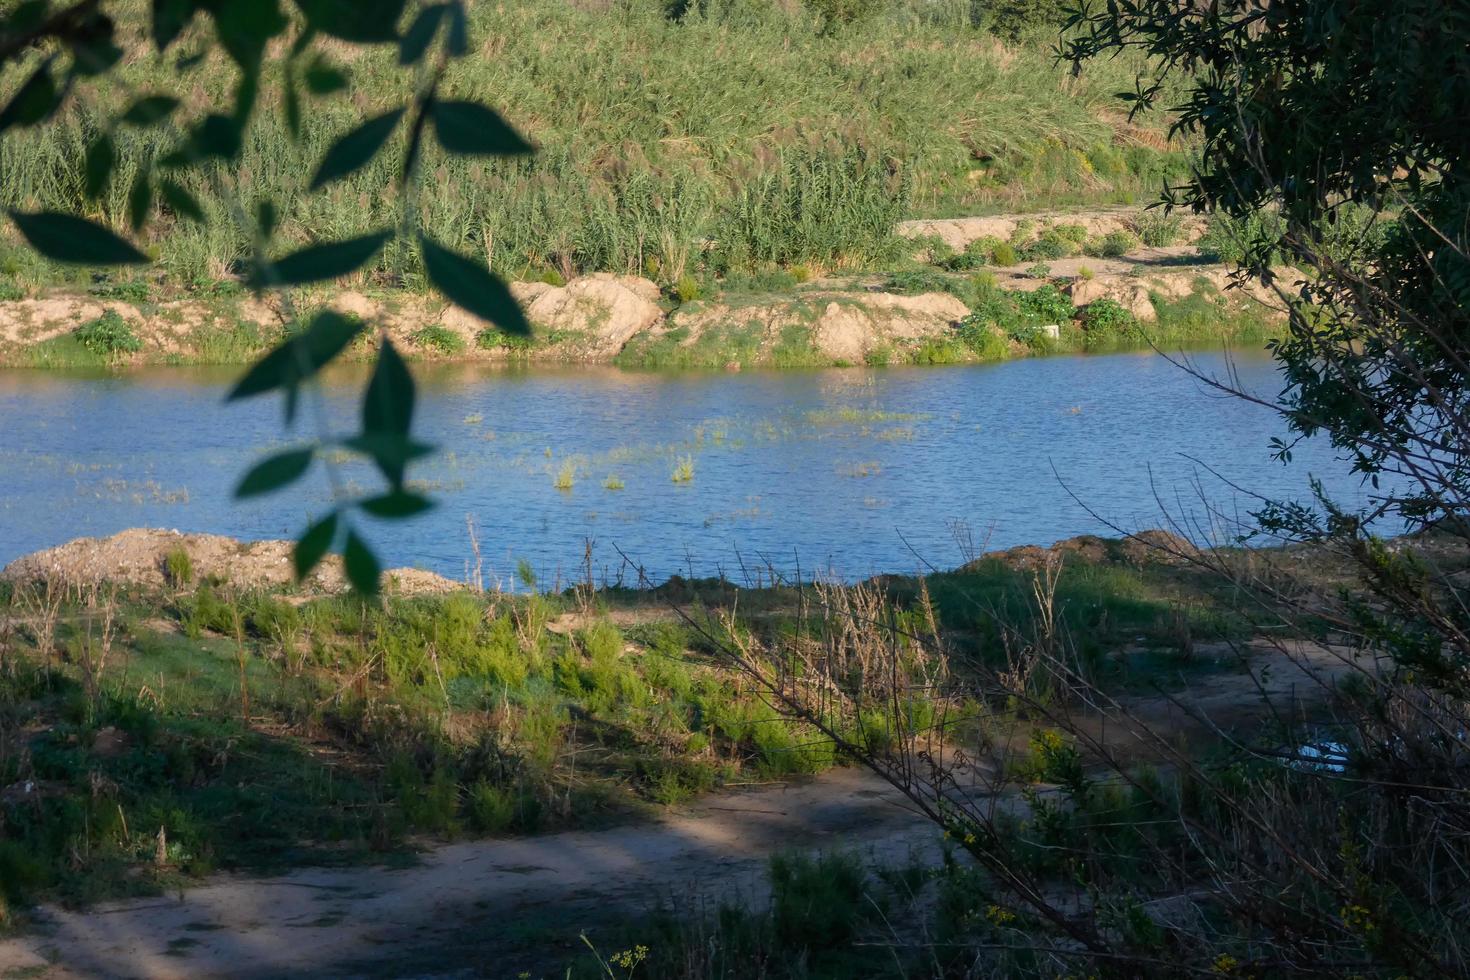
109 335
437 338
686 290
1112 245
1107 320
1157 229
1039 271
1004 255
1051 245
491 810
11 291
1046 305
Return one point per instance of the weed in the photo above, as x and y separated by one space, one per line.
439 339
683 470
1038 271
492 338
1156 229
178 568
1004 254
566 475
613 482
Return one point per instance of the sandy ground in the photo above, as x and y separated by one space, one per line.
464 908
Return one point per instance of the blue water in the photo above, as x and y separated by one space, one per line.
850 471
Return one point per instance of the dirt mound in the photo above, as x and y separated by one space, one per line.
139 556
1135 291
959 232
1146 547
596 315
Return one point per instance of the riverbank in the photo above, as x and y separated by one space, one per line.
448 711
972 290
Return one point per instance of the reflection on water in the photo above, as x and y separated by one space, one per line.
851 470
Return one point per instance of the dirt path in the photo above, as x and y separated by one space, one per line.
475 908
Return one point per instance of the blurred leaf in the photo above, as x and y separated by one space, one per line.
420 33
397 505
170 17
140 199
324 78
67 238
313 545
299 358
363 569
317 263
101 158
218 136
354 150
274 473
468 127
35 100
388 449
180 200
470 286
28 15
364 21
150 110
458 42
293 105
387 407
265 217
244 27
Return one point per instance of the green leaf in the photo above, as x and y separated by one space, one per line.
313 545
299 358
180 201
388 449
468 127
323 78
293 106
387 408
459 32
363 569
35 100
245 28
140 199
353 151
420 33
397 505
150 110
170 17
316 263
362 21
67 238
101 158
470 286
274 473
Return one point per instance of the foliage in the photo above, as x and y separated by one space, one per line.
1112 245
109 335
1108 322
1157 228
70 54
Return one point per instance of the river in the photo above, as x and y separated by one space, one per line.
848 471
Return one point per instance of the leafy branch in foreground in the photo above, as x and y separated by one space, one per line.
64 49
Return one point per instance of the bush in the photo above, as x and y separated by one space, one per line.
1107 320
1046 305
11 291
437 338
1051 245
1004 254
1157 229
109 335
179 568
686 290
1112 245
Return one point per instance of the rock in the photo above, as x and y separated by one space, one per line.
600 313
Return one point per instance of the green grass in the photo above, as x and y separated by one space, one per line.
744 140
